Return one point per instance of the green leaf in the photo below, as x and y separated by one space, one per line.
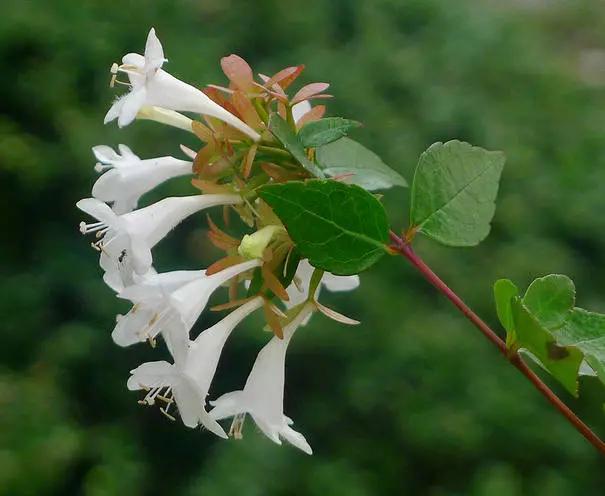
453 193
366 169
287 137
504 292
340 228
586 331
324 131
563 362
550 298
547 327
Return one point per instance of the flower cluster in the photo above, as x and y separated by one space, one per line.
262 269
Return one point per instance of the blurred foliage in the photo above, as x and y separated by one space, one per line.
413 401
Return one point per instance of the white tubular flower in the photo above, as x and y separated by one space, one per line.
298 291
165 116
151 298
187 383
170 303
130 177
263 394
152 86
126 240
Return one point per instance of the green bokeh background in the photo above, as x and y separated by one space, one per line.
414 401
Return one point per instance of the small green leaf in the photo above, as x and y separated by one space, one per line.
547 327
366 169
504 292
453 193
286 136
324 131
586 331
340 228
563 362
550 298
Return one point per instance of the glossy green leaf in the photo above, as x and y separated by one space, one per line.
454 192
324 131
340 228
550 298
345 157
563 362
287 137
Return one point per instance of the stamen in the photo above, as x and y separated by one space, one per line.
101 232
237 426
93 227
167 415
114 68
154 392
115 80
154 326
106 242
251 207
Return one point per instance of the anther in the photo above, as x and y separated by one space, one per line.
237 426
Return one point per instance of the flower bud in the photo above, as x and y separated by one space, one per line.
253 245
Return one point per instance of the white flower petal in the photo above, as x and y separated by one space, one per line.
296 439
130 106
98 210
189 401
134 59
132 177
149 375
154 53
130 328
114 110
340 283
105 154
125 205
227 405
127 153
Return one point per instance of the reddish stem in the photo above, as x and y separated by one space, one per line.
402 247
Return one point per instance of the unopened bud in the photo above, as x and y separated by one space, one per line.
254 245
